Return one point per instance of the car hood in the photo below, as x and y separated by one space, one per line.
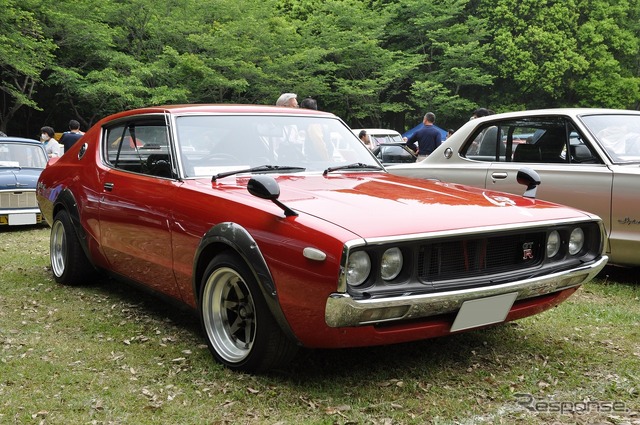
18 178
381 204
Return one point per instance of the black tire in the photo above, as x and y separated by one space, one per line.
240 330
69 263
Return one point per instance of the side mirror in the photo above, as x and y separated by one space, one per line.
529 178
266 187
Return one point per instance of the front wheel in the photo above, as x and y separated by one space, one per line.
241 332
69 263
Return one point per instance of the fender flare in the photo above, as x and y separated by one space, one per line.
66 201
229 235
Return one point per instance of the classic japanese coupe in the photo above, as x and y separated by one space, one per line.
266 221
586 158
21 162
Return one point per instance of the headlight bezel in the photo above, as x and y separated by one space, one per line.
399 273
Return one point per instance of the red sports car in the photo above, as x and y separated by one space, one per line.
267 222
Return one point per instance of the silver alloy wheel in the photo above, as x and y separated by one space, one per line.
228 314
58 248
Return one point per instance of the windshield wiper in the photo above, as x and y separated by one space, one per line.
259 169
355 165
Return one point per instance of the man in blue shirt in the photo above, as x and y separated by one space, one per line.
428 138
69 138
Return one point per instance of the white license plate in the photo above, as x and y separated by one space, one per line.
22 219
484 311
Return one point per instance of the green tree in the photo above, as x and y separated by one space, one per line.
452 45
106 57
351 71
24 54
608 37
562 53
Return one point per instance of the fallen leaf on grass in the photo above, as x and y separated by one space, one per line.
40 414
337 409
309 403
396 382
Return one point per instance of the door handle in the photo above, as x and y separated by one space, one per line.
499 175
108 187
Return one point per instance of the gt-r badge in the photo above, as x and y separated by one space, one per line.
527 251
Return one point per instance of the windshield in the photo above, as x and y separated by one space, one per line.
619 135
22 155
211 145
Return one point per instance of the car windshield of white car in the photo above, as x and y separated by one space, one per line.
619 135
216 145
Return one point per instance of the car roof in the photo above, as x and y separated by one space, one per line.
220 109
19 140
559 111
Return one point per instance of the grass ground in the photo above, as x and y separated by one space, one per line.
109 354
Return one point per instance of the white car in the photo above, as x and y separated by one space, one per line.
379 136
586 158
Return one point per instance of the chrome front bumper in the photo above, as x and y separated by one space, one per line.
342 310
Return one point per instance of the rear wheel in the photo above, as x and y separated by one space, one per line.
69 263
241 332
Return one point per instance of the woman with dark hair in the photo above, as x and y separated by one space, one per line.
51 145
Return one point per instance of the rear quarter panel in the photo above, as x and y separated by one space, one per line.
625 216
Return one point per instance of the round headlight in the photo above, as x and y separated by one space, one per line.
358 268
391 263
576 241
553 244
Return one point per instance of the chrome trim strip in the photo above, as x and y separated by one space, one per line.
471 231
342 310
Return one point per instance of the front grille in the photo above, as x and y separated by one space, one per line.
472 258
460 261
18 199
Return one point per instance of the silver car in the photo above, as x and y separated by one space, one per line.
586 158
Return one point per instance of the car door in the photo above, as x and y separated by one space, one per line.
570 170
135 208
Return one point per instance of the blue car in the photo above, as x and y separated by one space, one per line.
21 162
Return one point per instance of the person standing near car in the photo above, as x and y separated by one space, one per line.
51 145
289 100
69 138
427 139
317 144
475 145
365 138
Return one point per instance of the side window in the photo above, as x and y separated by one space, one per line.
140 147
540 140
487 144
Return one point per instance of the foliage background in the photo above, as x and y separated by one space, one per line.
375 63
